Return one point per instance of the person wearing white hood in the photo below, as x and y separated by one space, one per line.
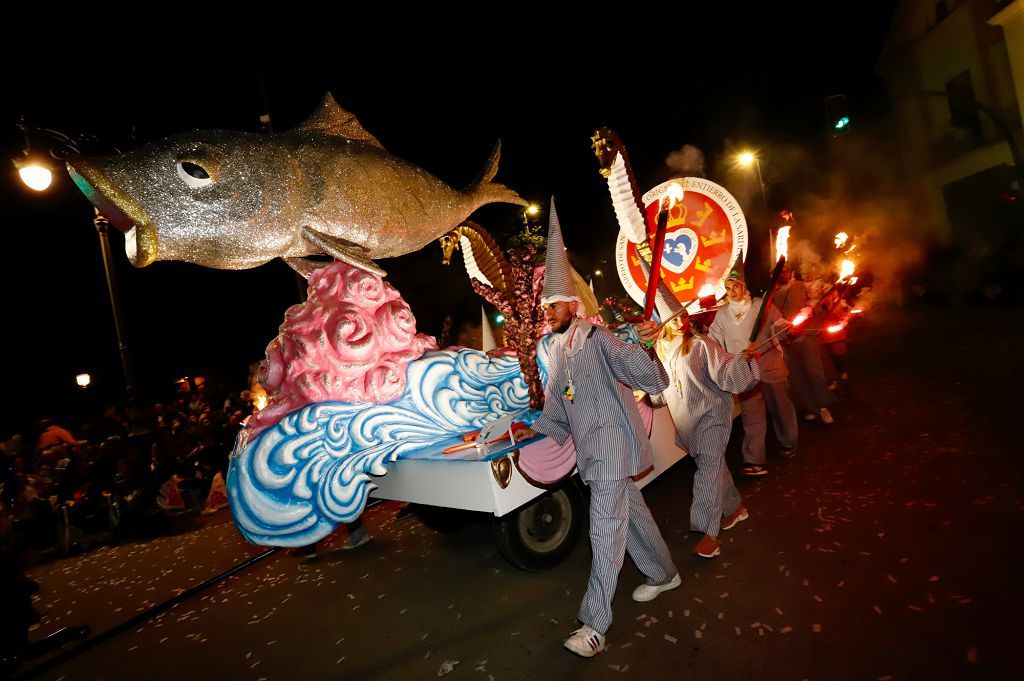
589 395
732 328
704 377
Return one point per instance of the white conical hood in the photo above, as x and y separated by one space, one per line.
558 283
487 332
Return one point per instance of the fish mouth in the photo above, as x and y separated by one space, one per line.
121 210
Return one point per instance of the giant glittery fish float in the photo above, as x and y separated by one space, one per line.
235 200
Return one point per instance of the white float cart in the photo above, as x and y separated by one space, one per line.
534 526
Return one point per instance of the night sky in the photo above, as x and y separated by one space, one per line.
433 92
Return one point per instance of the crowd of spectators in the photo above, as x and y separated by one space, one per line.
66 486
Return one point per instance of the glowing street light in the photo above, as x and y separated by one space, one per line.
532 209
746 159
36 176
36 170
83 380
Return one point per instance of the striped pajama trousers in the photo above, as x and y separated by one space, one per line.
714 493
620 523
756 404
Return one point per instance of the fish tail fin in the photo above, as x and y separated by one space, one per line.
484 191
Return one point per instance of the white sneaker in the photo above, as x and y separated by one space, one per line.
585 642
826 416
647 592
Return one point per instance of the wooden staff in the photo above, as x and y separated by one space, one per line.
769 295
659 248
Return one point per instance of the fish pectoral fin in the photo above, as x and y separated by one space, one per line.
344 250
305 266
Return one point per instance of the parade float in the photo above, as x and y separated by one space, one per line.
359 403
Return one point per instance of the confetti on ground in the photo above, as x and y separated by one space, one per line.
698 634
816 628
785 630
877 609
671 639
446 667
778 611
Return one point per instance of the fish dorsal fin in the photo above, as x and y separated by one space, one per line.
331 119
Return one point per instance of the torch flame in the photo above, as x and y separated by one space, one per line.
261 402
706 290
841 239
782 243
836 328
856 310
674 194
846 269
801 316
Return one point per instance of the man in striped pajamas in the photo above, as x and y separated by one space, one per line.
589 395
803 355
703 379
731 329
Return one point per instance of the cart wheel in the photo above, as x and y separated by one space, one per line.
544 533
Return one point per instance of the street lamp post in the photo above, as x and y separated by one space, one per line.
36 172
745 160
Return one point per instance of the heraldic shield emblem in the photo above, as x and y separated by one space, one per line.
706 233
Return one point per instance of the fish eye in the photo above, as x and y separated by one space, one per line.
193 174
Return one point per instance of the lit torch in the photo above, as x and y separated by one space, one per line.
846 270
841 239
672 196
802 316
781 250
782 243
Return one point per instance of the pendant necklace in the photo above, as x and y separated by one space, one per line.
570 390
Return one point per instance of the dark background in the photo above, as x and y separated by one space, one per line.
437 88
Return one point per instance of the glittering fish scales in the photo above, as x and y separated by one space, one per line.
234 200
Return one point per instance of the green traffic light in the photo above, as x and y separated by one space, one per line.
842 123
500 318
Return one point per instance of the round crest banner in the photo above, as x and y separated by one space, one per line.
706 233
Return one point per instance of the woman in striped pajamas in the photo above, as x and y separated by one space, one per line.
703 378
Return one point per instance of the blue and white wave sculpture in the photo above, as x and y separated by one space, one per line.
296 481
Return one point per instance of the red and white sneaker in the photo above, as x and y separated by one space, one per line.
585 642
739 515
708 547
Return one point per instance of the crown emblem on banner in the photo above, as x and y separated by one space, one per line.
682 285
675 222
714 239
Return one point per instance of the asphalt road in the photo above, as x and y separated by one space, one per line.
889 549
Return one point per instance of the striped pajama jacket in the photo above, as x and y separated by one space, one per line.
732 332
611 446
700 401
